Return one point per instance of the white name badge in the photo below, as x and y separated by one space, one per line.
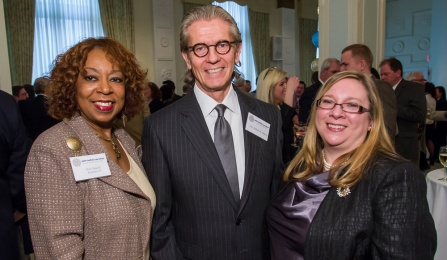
90 166
257 126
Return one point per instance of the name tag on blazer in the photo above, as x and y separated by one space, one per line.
90 166
257 126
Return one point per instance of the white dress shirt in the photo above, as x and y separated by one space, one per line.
234 117
395 86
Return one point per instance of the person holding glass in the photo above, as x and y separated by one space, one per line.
87 193
348 194
275 88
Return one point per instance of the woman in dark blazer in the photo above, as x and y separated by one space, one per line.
348 194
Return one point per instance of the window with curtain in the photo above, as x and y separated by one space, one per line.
59 25
240 15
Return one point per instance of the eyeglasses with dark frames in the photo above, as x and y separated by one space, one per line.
221 47
348 107
270 69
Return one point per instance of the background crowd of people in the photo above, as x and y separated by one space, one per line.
119 168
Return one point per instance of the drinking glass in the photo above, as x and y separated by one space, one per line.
442 159
299 131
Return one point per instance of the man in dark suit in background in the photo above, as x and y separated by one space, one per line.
210 203
359 57
329 67
13 153
411 108
35 112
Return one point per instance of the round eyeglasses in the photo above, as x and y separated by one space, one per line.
201 49
349 107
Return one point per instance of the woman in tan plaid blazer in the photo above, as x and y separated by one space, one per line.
92 84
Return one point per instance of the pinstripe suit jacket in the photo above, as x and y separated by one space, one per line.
197 216
102 218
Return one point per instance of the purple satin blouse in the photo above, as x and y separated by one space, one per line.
290 213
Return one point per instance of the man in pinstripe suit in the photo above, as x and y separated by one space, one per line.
198 215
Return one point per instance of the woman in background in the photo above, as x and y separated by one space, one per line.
153 96
87 193
275 88
349 195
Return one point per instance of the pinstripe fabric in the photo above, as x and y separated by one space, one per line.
197 216
103 218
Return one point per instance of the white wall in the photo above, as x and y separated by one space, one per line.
408 27
144 35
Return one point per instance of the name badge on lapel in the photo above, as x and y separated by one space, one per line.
257 126
90 166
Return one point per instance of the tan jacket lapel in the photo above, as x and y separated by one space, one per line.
92 145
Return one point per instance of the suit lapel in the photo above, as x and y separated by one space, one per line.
92 145
247 105
195 128
399 88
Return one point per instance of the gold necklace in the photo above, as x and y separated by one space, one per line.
114 146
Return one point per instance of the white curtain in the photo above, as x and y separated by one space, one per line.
240 15
59 25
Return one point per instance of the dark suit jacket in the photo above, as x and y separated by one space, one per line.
411 111
389 103
287 114
386 216
155 105
13 152
35 116
197 216
306 101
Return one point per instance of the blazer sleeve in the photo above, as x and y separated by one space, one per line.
416 109
18 145
438 115
278 170
163 242
403 226
287 114
305 102
55 203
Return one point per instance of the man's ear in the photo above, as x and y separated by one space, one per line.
363 65
186 58
237 57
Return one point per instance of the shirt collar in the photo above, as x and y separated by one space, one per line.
207 104
395 86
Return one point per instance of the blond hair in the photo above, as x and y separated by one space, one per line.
266 83
348 169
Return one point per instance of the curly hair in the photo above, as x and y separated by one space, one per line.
61 90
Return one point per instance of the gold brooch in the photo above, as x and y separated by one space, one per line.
74 144
343 192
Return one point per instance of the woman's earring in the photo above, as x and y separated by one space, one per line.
123 116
